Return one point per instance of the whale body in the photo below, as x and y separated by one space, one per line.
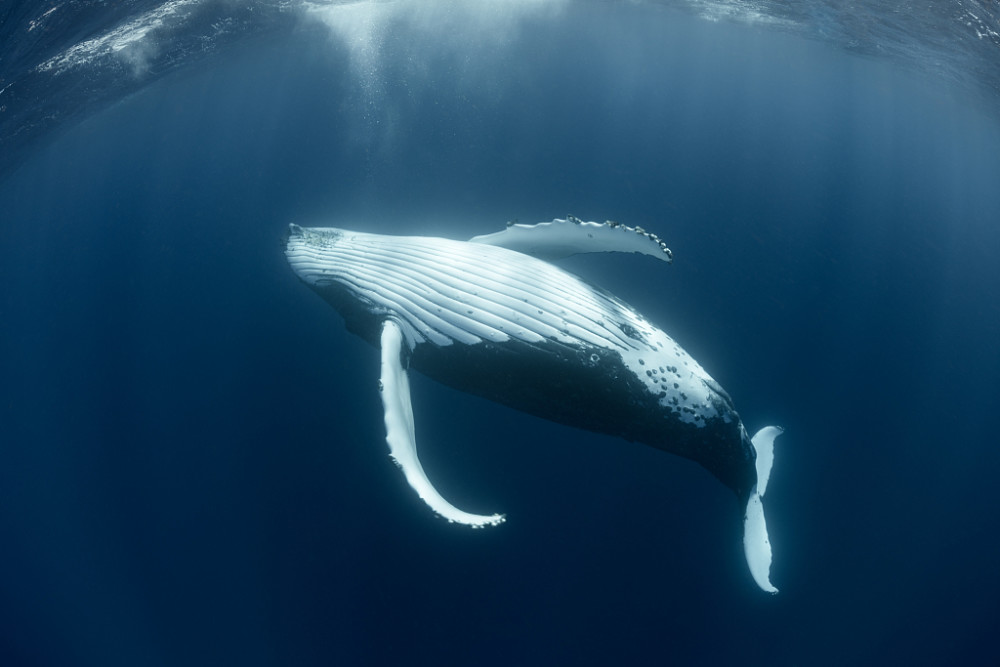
490 317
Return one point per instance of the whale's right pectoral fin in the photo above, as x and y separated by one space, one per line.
395 388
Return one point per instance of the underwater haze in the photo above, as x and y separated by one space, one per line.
193 466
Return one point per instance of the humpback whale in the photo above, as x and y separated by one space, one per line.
493 316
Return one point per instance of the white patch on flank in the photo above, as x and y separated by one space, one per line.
665 364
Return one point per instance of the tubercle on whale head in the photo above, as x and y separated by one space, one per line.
291 232
315 236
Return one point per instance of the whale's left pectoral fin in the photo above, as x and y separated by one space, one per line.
756 544
395 388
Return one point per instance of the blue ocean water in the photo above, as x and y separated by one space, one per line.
192 457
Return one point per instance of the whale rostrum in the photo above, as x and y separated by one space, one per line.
493 317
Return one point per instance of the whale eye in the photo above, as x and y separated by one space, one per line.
594 358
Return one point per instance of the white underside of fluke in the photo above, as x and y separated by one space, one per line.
756 545
400 434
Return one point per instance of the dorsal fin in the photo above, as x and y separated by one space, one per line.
562 238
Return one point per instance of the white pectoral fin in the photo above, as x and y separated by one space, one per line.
562 238
395 388
756 545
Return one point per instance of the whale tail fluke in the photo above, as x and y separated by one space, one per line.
756 545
